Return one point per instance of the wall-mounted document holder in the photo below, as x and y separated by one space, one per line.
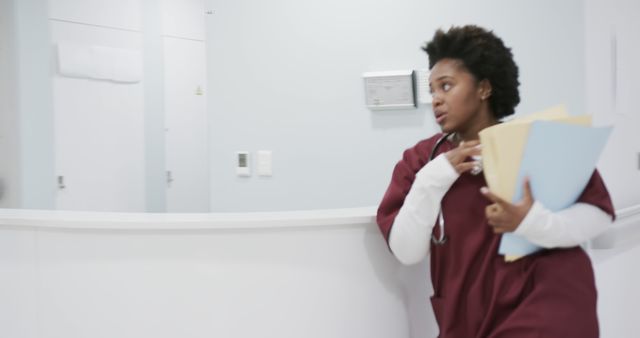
389 90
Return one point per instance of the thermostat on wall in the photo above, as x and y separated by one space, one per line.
389 90
242 163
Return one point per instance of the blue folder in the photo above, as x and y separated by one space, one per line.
559 160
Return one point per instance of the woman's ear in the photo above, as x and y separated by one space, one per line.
484 89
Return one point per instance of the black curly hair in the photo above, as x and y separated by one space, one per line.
485 56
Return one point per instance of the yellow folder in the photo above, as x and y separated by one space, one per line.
503 146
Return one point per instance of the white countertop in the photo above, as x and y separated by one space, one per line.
184 221
625 232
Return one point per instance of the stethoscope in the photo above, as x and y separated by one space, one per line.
475 171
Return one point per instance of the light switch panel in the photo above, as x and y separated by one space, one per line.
264 163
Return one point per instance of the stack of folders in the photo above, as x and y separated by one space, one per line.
558 152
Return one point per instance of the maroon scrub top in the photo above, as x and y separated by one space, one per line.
477 294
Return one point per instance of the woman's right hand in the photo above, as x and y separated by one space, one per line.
459 154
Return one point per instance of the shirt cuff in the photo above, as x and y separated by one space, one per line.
439 172
533 222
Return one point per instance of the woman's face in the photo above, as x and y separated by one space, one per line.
457 97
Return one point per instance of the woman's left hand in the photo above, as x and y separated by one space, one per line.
504 216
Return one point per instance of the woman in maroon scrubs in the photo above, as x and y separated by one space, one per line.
550 294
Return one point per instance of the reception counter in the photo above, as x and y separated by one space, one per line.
325 273
322 273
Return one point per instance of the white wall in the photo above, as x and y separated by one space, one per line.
43 150
34 104
612 70
612 52
155 175
185 112
33 94
167 23
618 278
9 163
285 76
123 14
99 123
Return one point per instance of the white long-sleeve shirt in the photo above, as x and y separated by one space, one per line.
411 231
